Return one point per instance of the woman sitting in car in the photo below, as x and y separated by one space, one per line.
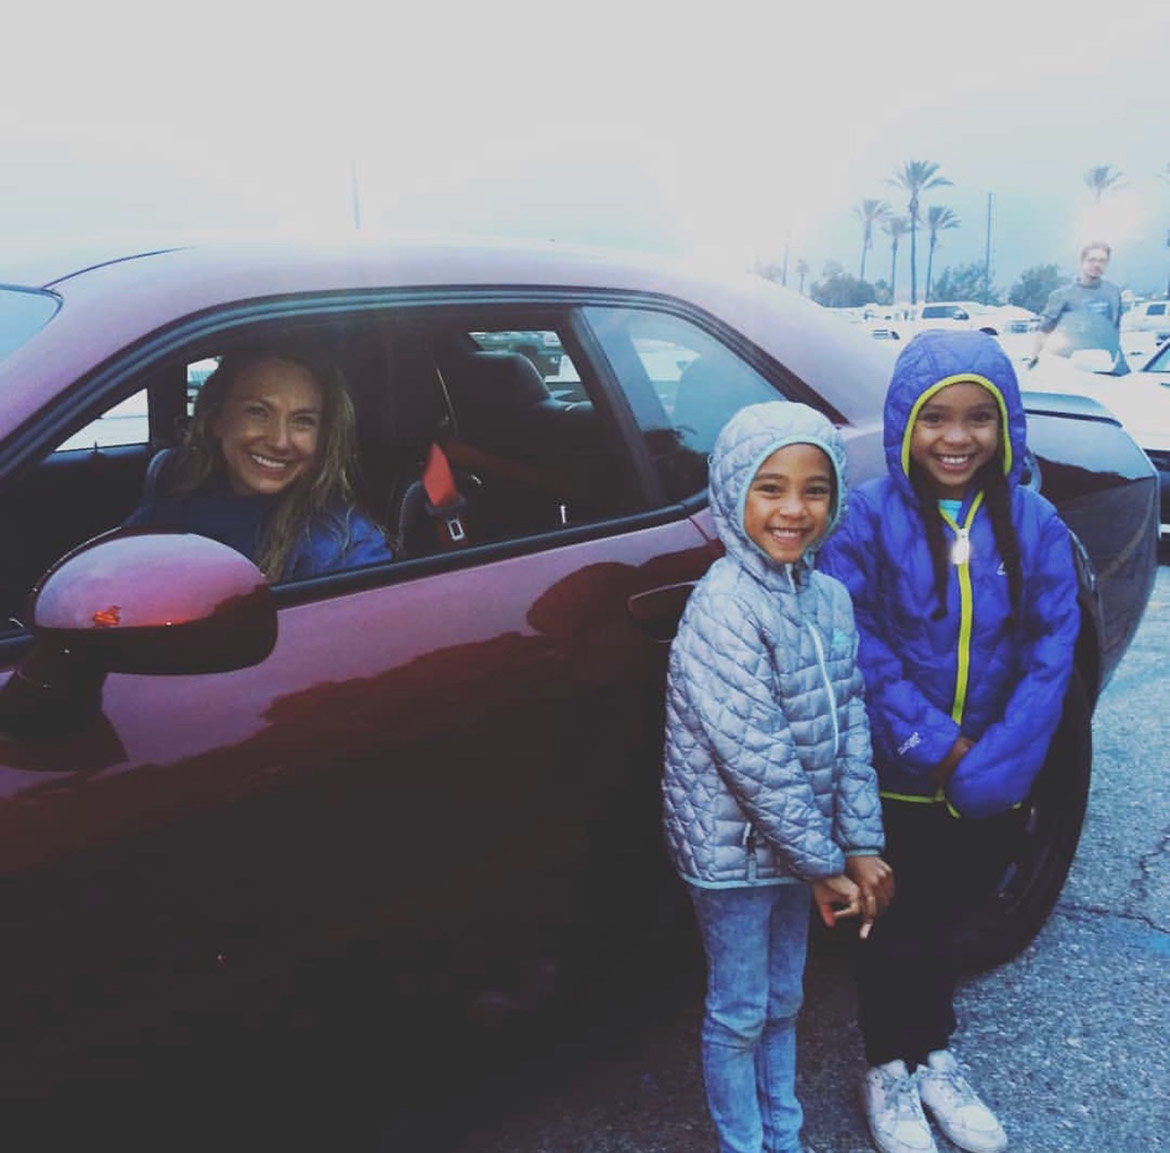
266 468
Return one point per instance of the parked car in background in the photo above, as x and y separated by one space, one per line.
951 314
1150 426
1138 347
543 348
1140 399
1148 316
994 319
453 758
1017 337
882 329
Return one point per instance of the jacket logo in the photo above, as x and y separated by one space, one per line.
911 742
1001 571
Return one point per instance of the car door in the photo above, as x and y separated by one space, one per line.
455 755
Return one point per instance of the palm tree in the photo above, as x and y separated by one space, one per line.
937 220
1100 178
915 178
870 212
895 227
802 272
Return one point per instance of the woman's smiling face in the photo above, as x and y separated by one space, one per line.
268 428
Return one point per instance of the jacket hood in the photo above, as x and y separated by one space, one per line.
746 441
933 360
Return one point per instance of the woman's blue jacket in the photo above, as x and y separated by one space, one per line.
974 672
337 538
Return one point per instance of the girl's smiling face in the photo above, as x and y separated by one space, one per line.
790 501
268 428
955 434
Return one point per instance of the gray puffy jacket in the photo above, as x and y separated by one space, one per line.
768 772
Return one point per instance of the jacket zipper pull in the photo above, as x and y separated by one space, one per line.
749 844
961 549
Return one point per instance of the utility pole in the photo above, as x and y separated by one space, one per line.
357 209
987 255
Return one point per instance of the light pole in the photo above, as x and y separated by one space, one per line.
987 255
357 208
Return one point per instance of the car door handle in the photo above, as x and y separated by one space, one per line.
657 611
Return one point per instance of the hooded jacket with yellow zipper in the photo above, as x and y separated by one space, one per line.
974 672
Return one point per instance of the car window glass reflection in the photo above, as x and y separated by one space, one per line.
125 423
683 385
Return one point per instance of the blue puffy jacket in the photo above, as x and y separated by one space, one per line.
338 538
974 672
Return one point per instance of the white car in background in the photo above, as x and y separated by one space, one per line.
1148 316
954 314
994 319
1140 399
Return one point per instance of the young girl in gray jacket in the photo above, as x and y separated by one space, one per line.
769 791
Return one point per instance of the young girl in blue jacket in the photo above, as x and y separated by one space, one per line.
965 597
769 792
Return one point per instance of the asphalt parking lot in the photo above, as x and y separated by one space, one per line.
1069 1040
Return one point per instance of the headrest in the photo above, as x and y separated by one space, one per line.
499 381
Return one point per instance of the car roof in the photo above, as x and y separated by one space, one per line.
110 305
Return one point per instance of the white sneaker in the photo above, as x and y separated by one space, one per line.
956 1108
889 1095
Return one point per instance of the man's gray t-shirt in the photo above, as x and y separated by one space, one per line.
1088 316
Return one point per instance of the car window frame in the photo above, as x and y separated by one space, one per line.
787 384
193 337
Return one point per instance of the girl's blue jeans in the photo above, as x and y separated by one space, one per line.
755 940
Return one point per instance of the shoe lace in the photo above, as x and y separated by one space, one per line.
954 1086
902 1092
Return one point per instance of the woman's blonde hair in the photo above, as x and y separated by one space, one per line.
323 494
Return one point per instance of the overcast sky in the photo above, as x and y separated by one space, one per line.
735 131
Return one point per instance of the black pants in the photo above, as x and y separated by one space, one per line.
907 968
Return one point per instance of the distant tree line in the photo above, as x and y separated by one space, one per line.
839 289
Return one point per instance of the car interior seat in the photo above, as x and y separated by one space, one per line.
551 453
405 482
154 483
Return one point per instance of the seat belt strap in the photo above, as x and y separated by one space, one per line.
444 501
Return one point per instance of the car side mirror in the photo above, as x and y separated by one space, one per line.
135 602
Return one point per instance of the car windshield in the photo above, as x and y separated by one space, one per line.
1160 361
23 312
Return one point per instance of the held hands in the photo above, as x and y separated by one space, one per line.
875 879
945 767
836 897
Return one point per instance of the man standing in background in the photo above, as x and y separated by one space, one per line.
1085 314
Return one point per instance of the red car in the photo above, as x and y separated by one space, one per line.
204 779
